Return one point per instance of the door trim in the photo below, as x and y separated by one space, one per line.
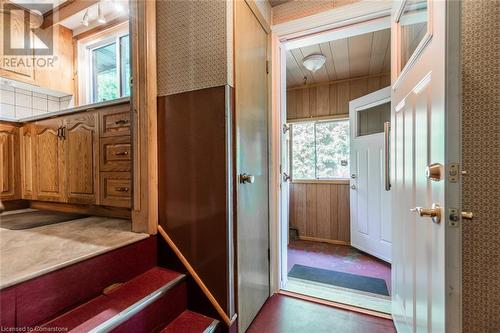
350 20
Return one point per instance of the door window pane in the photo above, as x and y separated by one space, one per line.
125 65
332 149
105 73
303 151
371 121
413 24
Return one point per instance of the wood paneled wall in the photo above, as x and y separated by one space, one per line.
320 211
330 99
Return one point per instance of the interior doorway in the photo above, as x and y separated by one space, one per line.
335 235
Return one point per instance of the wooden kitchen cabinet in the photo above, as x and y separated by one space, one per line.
9 162
82 156
28 157
50 170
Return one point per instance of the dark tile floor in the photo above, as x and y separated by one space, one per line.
283 314
339 258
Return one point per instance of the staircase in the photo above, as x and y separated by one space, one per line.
154 301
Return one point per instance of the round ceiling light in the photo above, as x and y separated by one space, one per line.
313 62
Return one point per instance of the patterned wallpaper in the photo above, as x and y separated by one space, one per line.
194 44
296 9
481 159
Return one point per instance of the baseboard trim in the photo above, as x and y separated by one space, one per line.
324 240
336 305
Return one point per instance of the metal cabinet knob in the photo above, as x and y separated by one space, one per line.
434 213
245 178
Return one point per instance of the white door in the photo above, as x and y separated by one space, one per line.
369 200
418 140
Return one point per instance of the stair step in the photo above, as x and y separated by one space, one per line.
120 308
191 322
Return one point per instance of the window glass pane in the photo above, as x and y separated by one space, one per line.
332 149
105 73
303 151
125 65
413 23
371 121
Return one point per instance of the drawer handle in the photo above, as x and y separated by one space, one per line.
121 189
121 153
121 122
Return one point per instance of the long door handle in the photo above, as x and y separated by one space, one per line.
387 158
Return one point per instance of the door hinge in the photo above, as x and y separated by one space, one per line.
286 128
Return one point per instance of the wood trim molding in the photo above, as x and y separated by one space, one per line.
102 28
338 81
144 105
343 116
65 10
324 240
258 14
197 279
123 213
322 181
336 305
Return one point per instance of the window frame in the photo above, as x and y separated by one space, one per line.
115 39
295 180
85 46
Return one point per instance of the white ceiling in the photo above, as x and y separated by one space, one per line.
29 4
346 58
108 8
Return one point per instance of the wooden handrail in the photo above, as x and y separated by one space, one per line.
197 279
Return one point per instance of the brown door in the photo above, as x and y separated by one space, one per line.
80 138
9 165
251 161
50 169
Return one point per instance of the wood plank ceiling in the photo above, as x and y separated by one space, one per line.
346 58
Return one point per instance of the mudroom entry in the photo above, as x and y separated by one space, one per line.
337 128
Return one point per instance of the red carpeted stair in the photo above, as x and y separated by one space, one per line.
150 302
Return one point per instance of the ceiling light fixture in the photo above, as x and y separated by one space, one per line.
100 17
313 62
118 6
85 19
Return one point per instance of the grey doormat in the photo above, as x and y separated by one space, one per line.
33 219
340 279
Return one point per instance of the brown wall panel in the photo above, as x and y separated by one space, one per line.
320 211
193 183
330 99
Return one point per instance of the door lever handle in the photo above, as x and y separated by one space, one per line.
245 178
434 213
286 177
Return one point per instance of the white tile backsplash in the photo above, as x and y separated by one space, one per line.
23 100
18 103
22 112
7 110
52 105
7 97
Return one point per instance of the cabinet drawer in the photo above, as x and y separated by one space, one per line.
116 154
115 121
116 189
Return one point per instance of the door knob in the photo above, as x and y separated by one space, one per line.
286 177
245 178
434 213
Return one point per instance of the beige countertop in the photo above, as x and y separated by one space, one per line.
29 253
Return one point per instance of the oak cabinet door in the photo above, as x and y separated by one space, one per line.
50 164
27 142
9 162
80 136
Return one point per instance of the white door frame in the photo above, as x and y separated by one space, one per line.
342 22
346 21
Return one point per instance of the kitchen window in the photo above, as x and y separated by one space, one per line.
110 69
320 150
